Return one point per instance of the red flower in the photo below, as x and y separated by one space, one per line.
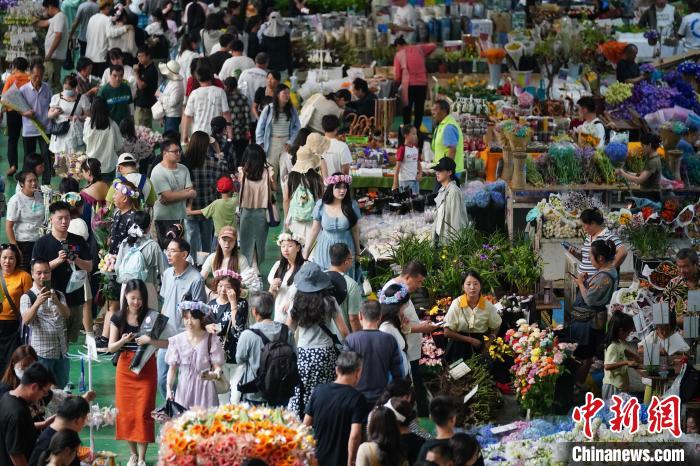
647 212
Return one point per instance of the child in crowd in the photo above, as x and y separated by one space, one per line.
222 210
408 171
618 356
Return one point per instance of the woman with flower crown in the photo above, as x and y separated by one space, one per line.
469 319
281 276
335 221
393 300
229 317
195 358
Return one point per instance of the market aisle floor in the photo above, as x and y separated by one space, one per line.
103 372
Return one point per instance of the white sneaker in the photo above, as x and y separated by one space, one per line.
133 461
141 463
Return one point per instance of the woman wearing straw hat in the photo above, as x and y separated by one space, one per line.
304 187
170 95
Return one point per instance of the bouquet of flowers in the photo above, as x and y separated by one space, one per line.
231 434
109 289
68 164
671 133
652 36
617 153
431 350
107 263
519 136
538 365
618 93
150 138
101 224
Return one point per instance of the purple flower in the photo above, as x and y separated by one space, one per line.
651 35
487 246
483 257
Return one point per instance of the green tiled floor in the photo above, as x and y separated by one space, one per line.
103 372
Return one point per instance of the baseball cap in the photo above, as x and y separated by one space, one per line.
228 231
445 164
224 184
126 158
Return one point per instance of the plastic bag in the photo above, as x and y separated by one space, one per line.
77 279
168 411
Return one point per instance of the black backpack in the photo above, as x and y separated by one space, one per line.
278 374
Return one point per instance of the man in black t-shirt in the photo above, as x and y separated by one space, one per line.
146 87
66 251
218 58
72 415
337 411
17 431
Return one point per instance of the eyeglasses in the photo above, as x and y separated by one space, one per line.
171 251
173 151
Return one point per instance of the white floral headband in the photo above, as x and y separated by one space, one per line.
399 417
194 306
399 296
227 273
289 237
335 179
125 190
71 198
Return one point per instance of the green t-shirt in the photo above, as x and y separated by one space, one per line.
118 99
223 211
653 166
618 378
163 180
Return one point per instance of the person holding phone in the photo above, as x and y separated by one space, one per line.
45 311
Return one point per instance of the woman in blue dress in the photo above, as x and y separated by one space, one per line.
335 221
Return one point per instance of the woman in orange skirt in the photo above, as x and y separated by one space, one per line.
135 394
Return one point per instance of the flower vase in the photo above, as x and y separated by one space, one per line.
518 179
669 139
674 162
494 75
507 170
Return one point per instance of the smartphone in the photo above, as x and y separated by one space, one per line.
441 324
46 284
566 245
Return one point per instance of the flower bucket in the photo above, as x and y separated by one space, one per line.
494 75
518 179
669 139
519 143
507 165
674 157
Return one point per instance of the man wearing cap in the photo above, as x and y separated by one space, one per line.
171 94
448 140
451 216
146 87
96 37
127 169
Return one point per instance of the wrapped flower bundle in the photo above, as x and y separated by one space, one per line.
494 55
617 153
231 434
68 164
671 133
519 136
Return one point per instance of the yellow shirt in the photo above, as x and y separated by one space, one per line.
18 283
462 318
618 378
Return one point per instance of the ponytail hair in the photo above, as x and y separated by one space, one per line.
604 248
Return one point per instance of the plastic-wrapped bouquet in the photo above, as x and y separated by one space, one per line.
481 195
68 164
107 263
150 137
101 223
232 433
671 133
519 136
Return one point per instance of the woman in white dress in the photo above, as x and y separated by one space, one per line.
60 109
281 276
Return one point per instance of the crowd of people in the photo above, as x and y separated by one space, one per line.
186 311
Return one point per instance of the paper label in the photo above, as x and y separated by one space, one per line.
468 396
504 428
459 370
694 300
660 314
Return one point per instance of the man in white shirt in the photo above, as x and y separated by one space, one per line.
690 27
205 103
238 63
404 21
86 10
251 79
55 43
96 37
337 158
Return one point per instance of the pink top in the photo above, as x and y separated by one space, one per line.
414 63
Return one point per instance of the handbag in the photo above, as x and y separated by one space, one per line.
115 358
221 384
77 279
59 129
170 410
273 213
158 108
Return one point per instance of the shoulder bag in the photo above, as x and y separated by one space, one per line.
59 129
273 213
221 383
6 293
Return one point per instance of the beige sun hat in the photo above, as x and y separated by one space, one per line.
170 70
309 155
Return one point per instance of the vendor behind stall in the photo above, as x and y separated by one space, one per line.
448 140
627 69
364 103
666 19
470 318
676 292
318 105
587 112
451 215
650 177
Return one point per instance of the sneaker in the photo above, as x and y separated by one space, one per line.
141 463
133 461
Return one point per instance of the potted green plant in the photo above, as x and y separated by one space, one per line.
649 242
466 64
452 58
523 267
